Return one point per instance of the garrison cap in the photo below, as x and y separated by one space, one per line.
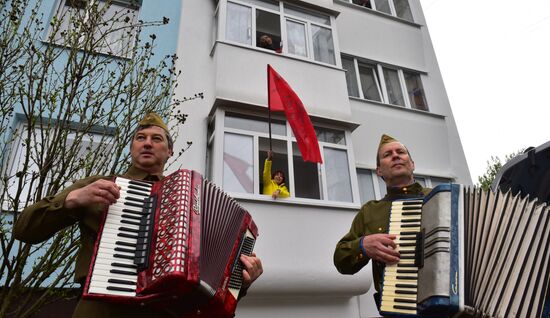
385 139
153 119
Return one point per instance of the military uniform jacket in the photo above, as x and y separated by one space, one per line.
42 220
373 218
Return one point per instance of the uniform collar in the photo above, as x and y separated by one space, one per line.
136 173
412 190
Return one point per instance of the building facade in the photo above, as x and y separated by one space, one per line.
362 69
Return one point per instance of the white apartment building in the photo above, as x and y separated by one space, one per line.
361 70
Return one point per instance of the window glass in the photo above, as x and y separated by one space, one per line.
279 161
366 185
369 82
338 178
307 14
382 187
383 6
238 163
268 30
421 180
437 181
306 176
395 95
268 4
251 123
239 23
403 10
332 136
351 79
363 3
296 33
415 91
112 32
323 47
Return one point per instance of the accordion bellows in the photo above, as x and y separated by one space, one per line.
476 254
173 244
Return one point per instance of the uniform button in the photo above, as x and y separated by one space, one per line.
379 229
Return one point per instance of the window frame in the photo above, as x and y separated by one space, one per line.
284 17
11 165
379 185
61 9
215 145
381 82
391 5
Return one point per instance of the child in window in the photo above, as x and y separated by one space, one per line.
274 185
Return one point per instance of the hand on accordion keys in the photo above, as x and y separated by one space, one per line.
381 248
101 191
253 269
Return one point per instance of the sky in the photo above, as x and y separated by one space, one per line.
494 57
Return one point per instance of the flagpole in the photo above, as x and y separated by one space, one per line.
269 107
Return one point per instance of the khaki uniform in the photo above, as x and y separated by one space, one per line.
43 219
373 218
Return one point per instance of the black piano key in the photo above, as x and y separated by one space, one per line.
405 265
121 289
127 229
140 183
130 222
405 277
410 225
116 255
408 233
133 204
405 285
122 243
133 211
411 202
407 244
411 213
126 250
407 271
405 292
116 271
131 217
120 281
130 191
127 235
131 198
115 264
407 256
404 300
402 307
410 220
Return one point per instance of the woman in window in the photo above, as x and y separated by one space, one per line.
274 185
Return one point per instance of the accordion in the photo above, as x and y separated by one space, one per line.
173 244
468 253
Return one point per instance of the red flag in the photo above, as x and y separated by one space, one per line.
282 98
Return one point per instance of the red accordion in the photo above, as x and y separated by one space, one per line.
173 244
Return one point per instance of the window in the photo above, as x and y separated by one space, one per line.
372 187
384 84
281 27
397 8
39 140
246 141
110 23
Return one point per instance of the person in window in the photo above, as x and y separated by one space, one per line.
84 203
363 3
274 184
266 42
367 238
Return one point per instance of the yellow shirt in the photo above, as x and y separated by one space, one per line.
269 185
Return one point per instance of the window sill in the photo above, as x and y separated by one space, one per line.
266 51
402 108
293 201
66 47
378 13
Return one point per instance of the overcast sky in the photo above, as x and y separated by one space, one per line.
494 57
